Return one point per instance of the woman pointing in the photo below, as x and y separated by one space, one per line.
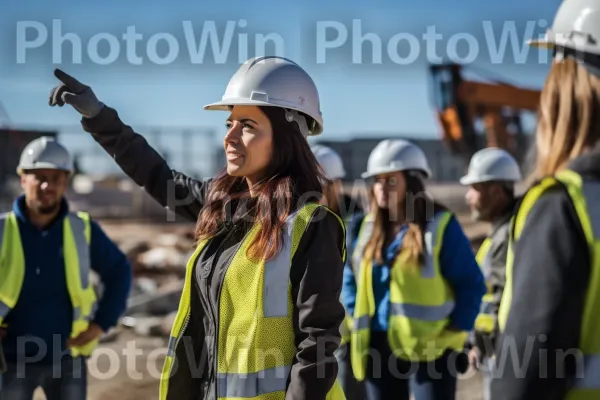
259 314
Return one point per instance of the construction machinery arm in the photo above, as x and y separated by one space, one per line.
461 103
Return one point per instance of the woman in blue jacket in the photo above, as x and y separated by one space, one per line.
412 284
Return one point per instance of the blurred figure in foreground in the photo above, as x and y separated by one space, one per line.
549 347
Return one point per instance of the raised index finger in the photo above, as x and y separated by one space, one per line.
72 83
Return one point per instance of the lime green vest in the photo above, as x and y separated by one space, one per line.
76 240
585 197
256 342
421 301
486 319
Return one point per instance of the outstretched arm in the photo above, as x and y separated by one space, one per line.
181 194
142 163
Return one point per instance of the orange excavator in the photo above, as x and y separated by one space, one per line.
464 108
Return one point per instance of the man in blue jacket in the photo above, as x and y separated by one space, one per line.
50 317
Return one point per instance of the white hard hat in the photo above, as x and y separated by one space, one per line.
330 161
274 81
576 26
395 155
45 153
492 164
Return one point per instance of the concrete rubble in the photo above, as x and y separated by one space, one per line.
158 258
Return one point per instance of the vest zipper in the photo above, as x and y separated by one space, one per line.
216 319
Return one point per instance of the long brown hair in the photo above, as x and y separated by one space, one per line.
419 210
292 179
568 117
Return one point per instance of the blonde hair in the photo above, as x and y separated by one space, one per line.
568 117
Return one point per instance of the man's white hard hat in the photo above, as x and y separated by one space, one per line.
45 153
492 164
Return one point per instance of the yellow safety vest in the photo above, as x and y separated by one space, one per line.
584 195
76 241
486 319
255 343
346 329
421 301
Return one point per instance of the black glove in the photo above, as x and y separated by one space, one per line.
75 93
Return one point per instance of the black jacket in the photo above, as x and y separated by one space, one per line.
551 273
315 274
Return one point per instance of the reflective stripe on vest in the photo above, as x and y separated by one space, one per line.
584 196
76 253
256 340
486 319
420 303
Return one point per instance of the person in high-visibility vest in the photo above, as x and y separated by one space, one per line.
349 209
260 313
50 317
417 289
549 346
491 177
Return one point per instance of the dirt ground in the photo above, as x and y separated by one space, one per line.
117 373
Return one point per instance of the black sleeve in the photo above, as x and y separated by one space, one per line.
177 192
316 278
551 270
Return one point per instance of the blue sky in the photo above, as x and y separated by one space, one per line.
357 98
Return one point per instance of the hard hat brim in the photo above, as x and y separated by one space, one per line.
543 43
472 179
43 165
366 175
548 42
225 105
469 180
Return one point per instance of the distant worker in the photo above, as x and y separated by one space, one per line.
549 313
491 178
260 311
51 318
418 288
349 210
